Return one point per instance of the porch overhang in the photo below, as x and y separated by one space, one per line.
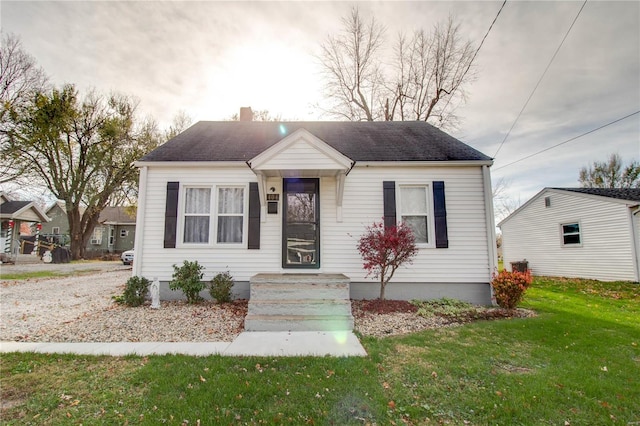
301 155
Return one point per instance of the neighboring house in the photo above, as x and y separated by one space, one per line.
576 232
294 197
57 230
114 233
12 215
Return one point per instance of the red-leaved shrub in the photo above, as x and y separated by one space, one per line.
509 287
384 249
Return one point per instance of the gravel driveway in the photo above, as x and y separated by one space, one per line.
80 308
27 306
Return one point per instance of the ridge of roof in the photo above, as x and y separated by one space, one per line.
631 194
360 141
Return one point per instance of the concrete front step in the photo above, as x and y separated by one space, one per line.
330 307
299 302
298 323
299 286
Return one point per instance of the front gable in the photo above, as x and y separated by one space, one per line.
300 154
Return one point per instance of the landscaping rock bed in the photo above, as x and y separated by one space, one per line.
81 309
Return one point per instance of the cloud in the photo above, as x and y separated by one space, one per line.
210 58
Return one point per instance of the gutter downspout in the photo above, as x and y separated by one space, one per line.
635 236
491 226
142 206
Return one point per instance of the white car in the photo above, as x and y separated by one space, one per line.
127 257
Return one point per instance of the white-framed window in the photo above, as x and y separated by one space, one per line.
214 215
230 210
571 234
96 236
55 230
197 215
112 236
123 233
415 211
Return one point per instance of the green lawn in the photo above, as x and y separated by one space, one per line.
576 363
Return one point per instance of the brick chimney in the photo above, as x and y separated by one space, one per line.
246 114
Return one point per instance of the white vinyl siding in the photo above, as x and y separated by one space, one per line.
465 261
535 233
467 258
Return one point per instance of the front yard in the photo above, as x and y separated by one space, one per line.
577 362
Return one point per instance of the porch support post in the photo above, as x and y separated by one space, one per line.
262 191
340 178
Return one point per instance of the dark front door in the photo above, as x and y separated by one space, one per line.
301 224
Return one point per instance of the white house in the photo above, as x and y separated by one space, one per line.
577 232
294 198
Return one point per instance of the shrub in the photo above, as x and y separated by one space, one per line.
188 278
509 287
445 307
135 291
384 249
220 287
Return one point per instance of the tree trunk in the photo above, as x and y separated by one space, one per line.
382 287
80 230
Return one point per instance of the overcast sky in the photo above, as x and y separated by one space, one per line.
210 58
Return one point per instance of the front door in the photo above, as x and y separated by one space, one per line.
301 223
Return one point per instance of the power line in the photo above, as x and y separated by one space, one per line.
539 81
477 50
568 140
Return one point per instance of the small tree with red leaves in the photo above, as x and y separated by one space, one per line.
383 250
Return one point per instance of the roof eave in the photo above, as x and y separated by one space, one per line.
436 163
190 164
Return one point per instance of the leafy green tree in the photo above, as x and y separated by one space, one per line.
611 174
82 150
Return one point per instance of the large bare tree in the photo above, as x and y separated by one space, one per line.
20 80
425 79
351 64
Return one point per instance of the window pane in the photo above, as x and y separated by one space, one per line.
196 229
230 229
301 207
571 228
572 239
230 200
413 199
198 200
418 225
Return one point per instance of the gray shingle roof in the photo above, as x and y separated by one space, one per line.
11 207
631 194
116 214
360 141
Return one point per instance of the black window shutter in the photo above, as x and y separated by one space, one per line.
253 240
389 200
440 215
171 215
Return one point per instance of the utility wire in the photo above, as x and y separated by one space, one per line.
540 80
568 140
477 50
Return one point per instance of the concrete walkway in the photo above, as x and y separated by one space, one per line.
267 343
